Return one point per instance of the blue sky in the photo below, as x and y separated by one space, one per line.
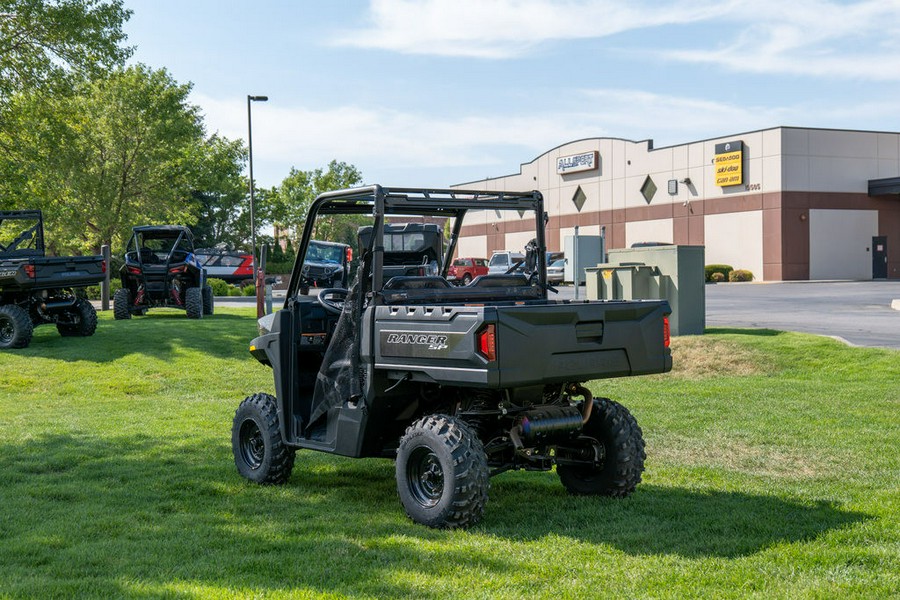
439 92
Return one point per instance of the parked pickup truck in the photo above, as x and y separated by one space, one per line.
456 383
37 289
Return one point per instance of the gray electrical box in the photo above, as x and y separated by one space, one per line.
673 273
589 253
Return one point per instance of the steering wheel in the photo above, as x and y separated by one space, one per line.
332 299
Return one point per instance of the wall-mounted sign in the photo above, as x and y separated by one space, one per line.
586 161
728 163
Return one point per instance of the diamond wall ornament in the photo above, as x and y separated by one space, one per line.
579 199
648 190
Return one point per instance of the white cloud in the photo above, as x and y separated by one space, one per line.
820 38
810 37
380 140
508 28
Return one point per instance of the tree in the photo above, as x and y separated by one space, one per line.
41 41
123 150
293 198
220 192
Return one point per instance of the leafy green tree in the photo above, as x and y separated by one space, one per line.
291 200
123 150
220 192
42 41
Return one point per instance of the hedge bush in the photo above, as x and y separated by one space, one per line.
92 292
248 290
220 287
725 270
740 275
717 277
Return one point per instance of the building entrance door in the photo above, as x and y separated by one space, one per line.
879 257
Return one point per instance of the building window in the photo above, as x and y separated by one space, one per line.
579 199
648 190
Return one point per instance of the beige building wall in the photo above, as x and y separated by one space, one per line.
788 175
840 243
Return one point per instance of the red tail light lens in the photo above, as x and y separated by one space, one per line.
134 270
666 331
29 270
103 266
487 342
181 269
349 254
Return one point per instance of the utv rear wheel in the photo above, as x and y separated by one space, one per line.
83 320
208 302
122 304
622 461
259 452
193 303
16 327
442 473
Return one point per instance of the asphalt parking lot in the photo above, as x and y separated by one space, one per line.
857 312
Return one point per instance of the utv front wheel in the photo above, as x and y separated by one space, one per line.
83 320
122 304
620 454
259 452
16 327
193 303
442 473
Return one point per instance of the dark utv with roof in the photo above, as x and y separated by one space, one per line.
37 289
161 270
457 383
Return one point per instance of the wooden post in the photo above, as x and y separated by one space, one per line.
104 286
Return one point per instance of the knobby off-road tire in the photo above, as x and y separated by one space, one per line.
16 327
121 304
260 454
85 318
442 473
623 442
193 303
208 302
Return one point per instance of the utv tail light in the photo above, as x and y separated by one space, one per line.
487 342
103 266
134 270
349 254
666 331
29 271
181 269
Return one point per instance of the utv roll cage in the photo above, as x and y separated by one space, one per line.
380 202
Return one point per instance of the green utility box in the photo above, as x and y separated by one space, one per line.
673 273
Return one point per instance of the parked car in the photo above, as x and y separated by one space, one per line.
556 271
503 261
464 270
327 265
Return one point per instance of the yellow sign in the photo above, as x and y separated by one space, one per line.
728 168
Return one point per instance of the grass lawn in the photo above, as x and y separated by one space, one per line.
772 471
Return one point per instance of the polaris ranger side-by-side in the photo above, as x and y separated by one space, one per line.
36 289
456 383
161 270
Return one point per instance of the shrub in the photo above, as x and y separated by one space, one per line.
248 290
717 277
233 291
740 275
220 287
723 269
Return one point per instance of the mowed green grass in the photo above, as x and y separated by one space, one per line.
772 471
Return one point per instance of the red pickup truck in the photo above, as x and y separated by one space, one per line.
464 270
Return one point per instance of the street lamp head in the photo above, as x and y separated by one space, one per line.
258 98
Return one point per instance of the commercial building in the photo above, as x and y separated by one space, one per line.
785 203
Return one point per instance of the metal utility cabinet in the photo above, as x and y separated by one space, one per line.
674 273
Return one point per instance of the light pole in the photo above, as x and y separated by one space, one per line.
252 215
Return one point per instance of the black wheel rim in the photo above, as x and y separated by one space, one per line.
6 330
253 447
425 476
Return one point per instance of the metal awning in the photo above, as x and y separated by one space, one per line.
889 186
